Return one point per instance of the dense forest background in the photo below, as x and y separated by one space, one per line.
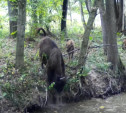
98 29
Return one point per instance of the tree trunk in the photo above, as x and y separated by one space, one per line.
124 26
84 45
118 5
86 35
70 12
13 11
82 15
20 33
112 54
88 5
103 24
124 18
64 17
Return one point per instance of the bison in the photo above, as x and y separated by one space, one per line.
124 45
70 48
51 56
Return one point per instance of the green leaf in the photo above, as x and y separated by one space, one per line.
118 34
13 33
51 85
90 38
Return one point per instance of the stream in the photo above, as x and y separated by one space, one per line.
113 104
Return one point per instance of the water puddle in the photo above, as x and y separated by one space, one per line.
114 104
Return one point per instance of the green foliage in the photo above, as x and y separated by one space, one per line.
76 28
3 33
90 38
1 52
97 60
73 63
103 66
73 80
70 82
118 34
46 10
13 33
37 55
96 34
84 72
51 86
13 0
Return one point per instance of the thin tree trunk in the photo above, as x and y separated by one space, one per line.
124 18
103 24
82 15
88 5
70 12
86 35
84 45
13 11
64 17
20 33
118 6
124 26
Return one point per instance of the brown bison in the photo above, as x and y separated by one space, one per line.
51 56
124 45
70 48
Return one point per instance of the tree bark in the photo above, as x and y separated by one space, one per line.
82 15
86 35
13 11
88 5
118 5
20 33
103 24
64 17
84 45
112 54
124 18
70 12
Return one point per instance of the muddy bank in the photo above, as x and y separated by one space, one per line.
101 84
97 84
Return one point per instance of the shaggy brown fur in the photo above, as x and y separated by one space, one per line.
70 48
124 45
51 56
